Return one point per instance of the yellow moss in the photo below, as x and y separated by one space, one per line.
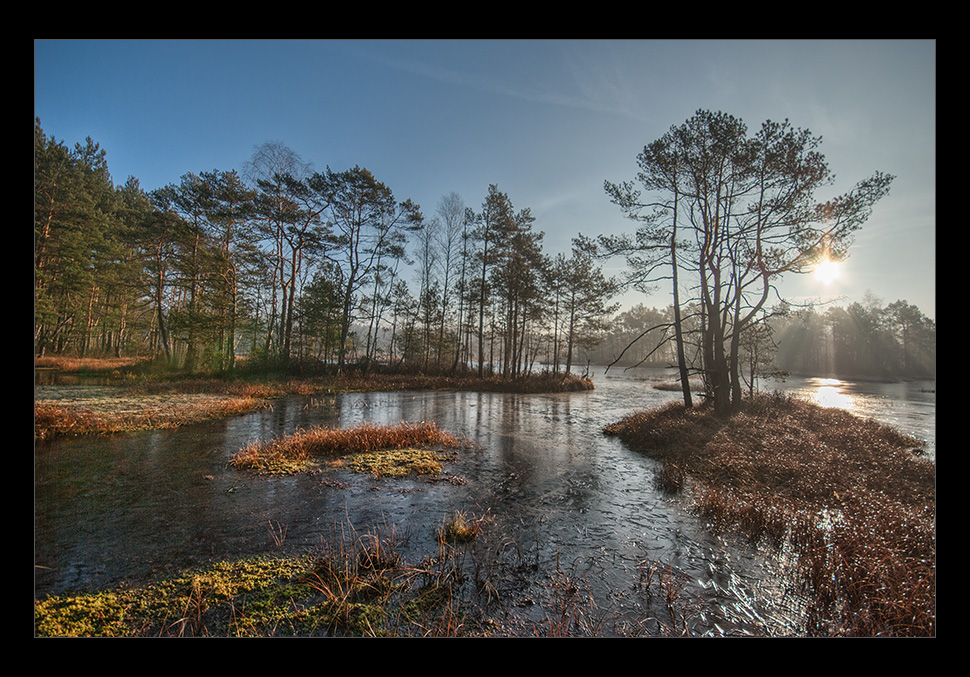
397 462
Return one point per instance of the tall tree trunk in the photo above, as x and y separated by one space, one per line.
678 320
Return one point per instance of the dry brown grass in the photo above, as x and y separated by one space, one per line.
295 452
852 497
122 414
785 447
88 364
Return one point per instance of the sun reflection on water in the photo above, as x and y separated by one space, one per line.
828 393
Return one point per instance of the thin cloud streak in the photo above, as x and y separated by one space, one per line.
597 91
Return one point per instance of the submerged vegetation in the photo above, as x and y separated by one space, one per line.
847 501
359 587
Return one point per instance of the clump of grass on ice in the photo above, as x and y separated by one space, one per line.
301 450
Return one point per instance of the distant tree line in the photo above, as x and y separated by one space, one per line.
282 263
862 340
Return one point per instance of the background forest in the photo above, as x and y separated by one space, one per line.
861 340
283 264
280 263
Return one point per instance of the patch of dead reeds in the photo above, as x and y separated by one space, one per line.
297 451
123 414
852 497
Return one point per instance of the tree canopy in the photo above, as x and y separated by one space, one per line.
284 264
724 215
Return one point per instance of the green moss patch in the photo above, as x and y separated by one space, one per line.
357 586
398 462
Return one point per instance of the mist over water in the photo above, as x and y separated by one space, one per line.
134 507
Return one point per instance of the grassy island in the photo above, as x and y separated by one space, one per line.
849 502
381 450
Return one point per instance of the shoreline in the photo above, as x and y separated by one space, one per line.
135 406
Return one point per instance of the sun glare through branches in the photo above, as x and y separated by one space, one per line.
827 271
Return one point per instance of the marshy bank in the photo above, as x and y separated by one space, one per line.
361 585
850 502
104 397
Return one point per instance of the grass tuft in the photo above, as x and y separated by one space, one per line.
382 450
461 527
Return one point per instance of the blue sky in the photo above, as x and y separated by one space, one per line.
546 121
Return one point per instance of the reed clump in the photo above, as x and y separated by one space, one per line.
461 527
301 450
853 499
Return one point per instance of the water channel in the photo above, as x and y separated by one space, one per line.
132 508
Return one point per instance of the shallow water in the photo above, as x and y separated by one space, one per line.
134 507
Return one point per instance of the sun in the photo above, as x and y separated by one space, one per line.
827 271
